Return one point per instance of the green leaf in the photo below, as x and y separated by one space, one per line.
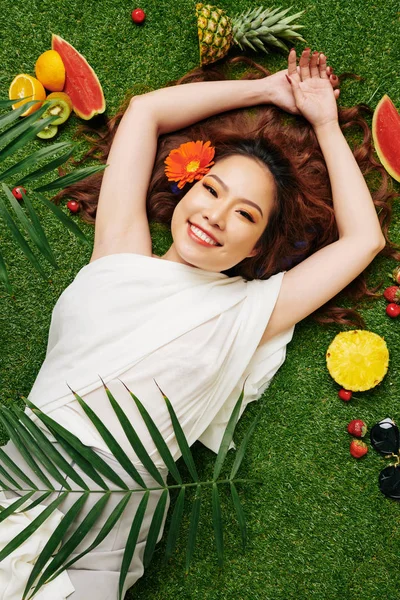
131 542
154 529
83 455
76 538
49 448
32 160
175 525
240 514
34 229
46 168
31 528
53 542
20 239
6 103
217 522
134 440
111 442
65 220
24 137
194 522
34 449
242 448
228 435
157 439
10 510
181 438
17 437
14 114
4 276
71 178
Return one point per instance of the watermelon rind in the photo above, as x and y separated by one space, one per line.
385 103
84 106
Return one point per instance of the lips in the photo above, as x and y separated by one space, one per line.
206 232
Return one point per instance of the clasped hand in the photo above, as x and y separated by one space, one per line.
309 89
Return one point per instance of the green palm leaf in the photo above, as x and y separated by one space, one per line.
18 134
37 450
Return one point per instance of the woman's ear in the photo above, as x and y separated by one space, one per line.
254 252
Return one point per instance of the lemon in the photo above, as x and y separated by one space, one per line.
357 360
50 70
25 85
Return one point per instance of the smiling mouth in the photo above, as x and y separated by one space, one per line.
202 238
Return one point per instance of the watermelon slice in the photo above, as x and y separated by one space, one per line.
81 82
386 136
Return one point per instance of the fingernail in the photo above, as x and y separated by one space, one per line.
334 77
288 78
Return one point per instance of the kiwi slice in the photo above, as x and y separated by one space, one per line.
48 132
57 107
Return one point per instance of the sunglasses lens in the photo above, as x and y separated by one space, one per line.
384 437
389 482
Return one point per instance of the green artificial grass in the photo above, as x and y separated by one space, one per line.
318 527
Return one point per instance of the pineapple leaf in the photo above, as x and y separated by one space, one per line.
70 178
46 168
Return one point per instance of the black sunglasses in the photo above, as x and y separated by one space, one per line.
385 439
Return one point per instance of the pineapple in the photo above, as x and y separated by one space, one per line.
217 31
357 360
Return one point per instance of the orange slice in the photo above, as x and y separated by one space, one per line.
25 85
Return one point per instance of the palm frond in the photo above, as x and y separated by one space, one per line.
41 455
17 135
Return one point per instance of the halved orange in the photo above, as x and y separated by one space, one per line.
25 85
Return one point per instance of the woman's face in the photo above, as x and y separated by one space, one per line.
232 204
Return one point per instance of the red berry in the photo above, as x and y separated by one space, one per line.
393 310
138 16
345 394
16 192
357 427
358 448
392 294
73 206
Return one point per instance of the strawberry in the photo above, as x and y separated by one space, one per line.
392 294
358 448
357 427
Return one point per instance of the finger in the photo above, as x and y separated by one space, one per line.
322 66
334 79
336 93
304 64
292 69
329 71
297 92
314 64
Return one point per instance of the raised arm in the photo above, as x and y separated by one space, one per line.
121 222
320 277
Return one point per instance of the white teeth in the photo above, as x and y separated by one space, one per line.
202 235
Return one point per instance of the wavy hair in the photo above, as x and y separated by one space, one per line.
302 220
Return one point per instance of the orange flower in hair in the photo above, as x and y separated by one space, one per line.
190 161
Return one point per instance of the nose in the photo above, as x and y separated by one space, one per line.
215 215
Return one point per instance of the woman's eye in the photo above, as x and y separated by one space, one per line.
210 189
214 193
247 215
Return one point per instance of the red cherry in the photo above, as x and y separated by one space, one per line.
73 206
393 310
138 16
16 192
345 394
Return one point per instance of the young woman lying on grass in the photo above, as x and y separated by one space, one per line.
275 224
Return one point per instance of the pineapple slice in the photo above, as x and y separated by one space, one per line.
357 360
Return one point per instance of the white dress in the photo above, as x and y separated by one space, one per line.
135 319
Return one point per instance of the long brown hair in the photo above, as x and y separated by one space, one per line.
301 223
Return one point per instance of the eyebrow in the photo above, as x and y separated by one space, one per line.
242 199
